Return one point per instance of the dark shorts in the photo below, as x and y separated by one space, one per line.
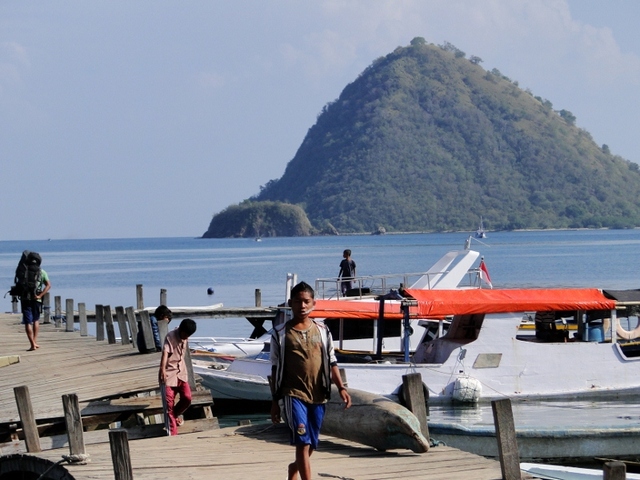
30 311
304 421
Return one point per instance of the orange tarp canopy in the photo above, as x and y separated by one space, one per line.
466 302
440 303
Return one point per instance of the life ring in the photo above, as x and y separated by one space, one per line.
621 332
403 400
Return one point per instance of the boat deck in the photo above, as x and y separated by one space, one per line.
68 363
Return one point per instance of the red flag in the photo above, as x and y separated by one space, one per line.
484 274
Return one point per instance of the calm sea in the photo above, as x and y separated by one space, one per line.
106 271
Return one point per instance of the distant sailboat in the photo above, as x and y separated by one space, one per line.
480 233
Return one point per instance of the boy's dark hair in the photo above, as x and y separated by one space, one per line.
188 326
347 252
302 287
162 311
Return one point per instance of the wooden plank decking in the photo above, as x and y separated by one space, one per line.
68 363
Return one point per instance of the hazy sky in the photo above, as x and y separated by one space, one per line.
127 118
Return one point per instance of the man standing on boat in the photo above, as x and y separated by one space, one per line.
303 366
347 272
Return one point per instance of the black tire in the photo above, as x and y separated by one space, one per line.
29 467
403 400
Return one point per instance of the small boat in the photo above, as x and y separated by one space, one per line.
559 472
229 346
243 379
481 233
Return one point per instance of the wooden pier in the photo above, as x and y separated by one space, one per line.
105 376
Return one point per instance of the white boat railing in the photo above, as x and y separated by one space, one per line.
373 285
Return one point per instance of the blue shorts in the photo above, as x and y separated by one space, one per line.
304 421
30 311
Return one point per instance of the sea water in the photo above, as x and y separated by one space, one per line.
106 271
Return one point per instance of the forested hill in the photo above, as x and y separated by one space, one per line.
425 139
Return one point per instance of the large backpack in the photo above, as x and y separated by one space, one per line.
28 274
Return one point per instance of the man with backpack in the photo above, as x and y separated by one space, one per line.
32 283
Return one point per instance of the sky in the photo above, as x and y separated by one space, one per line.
141 118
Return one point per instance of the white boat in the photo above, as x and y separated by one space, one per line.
484 355
246 377
232 347
481 233
559 472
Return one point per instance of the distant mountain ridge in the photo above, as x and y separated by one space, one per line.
427 140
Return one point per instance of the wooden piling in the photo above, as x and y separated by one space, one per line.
108 322
145 325
163 296
99 324
120 454
57 301
258 295
27 419
73 421
122 326
415 401
46 308
506 437
133 325
69 314
139 297
82 319
163 329
614 471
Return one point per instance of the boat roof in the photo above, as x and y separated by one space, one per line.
441 303
624 296
468 302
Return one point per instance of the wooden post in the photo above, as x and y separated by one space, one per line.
99 323
46 308
506 437
414 398
139 297
145 324
163 329
108 321
82 319
120 455
163 296
27 419
189 364
69 314
614 471
258 298
73 420
122 326
133 325
57 301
